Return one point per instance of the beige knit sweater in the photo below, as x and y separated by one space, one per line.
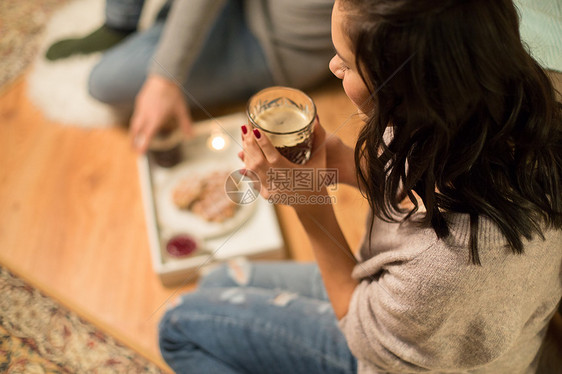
423 307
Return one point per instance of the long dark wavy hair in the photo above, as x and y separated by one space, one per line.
476 125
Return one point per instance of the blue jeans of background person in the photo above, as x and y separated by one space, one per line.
231 65
123 14
262 318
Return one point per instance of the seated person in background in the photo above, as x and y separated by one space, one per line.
210 52
464 281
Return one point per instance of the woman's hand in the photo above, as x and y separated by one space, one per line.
341 157
314 209
158 102
275 171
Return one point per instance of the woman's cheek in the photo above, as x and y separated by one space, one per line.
361 98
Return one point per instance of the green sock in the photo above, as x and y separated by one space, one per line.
99 40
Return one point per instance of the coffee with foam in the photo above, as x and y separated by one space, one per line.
285 115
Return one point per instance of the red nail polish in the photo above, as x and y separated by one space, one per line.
257 133
244 129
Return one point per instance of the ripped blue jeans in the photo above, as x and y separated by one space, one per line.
263 317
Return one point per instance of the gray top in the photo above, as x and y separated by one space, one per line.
295 36
423 307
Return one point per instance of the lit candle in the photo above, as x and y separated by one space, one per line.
217 141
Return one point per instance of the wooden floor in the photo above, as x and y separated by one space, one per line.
72 221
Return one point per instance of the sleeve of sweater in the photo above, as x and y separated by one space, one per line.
414 309
183 36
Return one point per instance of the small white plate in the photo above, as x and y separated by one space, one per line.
174 219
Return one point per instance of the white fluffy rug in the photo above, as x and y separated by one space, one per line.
59 88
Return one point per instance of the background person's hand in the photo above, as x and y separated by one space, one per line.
158 102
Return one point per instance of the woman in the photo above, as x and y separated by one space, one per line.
462 123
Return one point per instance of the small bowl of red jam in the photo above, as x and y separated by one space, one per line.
183 245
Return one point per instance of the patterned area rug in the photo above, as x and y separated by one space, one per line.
57 88
21 26
38 335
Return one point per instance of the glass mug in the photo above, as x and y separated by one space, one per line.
286 116
165 146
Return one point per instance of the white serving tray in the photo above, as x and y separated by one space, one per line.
253 232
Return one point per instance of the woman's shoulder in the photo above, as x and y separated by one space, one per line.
409 244
456 306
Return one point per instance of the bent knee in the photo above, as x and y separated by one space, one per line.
111 86
99 86
171 337
234 273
